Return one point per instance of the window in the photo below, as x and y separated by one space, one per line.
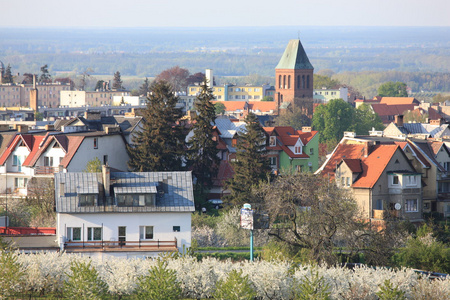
74 233
272 141
15 160
87 200
136 199
146 232
411 180
342 181
176 228
249 89
273 161
379 204
95 143
348 181
311 151
298 150
395 180
411 205
48 161
20 183
94 233
447 166
105 159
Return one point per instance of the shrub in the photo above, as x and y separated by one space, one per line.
389 292
160 283
11 273
84 282
311 287
234 287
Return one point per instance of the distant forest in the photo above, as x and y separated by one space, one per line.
362 57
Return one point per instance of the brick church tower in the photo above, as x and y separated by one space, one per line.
293 74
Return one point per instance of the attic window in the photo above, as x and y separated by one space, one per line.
273 141
87 200
298 150
396 161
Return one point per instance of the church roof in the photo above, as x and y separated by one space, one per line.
294 57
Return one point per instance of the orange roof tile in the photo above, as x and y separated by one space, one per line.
233 105
263 106
398 100
353 164
34 149
74 143
372 166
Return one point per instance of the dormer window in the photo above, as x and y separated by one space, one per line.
298 150
272 141
87 199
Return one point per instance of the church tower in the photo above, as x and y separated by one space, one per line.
293 74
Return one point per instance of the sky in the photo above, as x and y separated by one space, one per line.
213 13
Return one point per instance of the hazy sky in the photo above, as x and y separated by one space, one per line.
213 13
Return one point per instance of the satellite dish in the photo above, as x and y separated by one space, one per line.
397 206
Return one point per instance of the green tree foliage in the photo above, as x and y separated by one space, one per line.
322 81
365 120
293 116
311 287
160 144
332 119
440 98
251 166
235 287
414 116
202 147
310 212
424 252
117 82
99 85
45 75
40 202
219 107
160 283
390 292
38 116
11 273
8 78
144 89
93 166
392 89
84 282
27 78
267 98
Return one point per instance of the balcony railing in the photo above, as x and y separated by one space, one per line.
384 214
45 170
121 246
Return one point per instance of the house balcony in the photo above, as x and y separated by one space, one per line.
397 191
45 170
120 246
382 214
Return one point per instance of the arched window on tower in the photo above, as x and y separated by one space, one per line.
303 81
284 81
307 82
289 81
279 82
298 81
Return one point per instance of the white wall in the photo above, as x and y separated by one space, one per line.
73 98
162 225
111 145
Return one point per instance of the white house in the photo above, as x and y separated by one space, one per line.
123 214
42 154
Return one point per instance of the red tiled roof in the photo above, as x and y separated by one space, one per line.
353 164
436 146
10 149
74 143
34 149
372 166
263 106
398 100
233 105
225 172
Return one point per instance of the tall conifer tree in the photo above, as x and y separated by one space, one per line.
202 154
8 78
251 166
160 144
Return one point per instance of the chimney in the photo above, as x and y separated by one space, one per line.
106 174
112 129
49 127
209 78
34 96
21 128
366 149
399 120
306 129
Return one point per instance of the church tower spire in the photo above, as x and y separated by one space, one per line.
293 74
